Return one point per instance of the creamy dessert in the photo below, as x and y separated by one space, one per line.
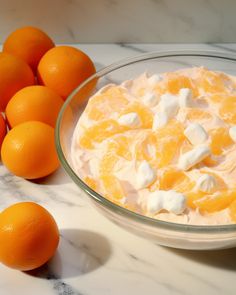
163 146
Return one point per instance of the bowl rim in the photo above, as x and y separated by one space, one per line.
171 226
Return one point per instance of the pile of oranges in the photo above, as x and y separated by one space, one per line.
35 78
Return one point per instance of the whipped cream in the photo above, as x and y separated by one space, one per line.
193 157
150 99
145 175
170 201
169 105
160 120
154 79
130 120
195 133
185 98
206 183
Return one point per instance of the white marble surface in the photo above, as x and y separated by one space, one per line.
124 20
95 257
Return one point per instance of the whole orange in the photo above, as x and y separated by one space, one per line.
3 129
14 75
28 43
34 103
28 150
29 236
63 68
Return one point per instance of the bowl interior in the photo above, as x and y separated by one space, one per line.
152 63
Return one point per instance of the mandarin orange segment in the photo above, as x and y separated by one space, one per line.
103 105
99 132
173 179
220 139
167 138
192 197
213 82
227 110
91 182
215 203
144 113
177 81
112 187
108 163
194 115
120 146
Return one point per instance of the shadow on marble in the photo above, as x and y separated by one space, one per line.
224 259
58 177
79 252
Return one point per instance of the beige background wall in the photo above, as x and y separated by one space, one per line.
124 20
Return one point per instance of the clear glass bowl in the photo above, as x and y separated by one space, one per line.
164 233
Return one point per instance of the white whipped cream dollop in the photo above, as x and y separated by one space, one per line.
169 105
206 183
159 120
154 79
145 175
170 201
195 133
150 99
130 120
232 133
193 157
185 98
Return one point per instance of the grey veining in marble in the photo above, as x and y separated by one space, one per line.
124 20
95 257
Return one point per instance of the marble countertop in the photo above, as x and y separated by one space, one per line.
94 255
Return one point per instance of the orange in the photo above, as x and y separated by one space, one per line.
63 68
29 236
34 103
14 75
28 43
220 139
28 150
3 129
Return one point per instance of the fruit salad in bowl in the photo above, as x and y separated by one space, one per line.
152 140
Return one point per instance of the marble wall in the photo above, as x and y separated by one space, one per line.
160 21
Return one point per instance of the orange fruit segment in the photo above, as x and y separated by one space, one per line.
173 179
145 115
29 236
120 146
176 81
213 82
103 105
98 132
192 197
220 139
108 163
215 203
167 138
34 103
28 150
29 44
227 110
112 187
194 115
91 182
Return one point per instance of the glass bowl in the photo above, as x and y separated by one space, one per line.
164 233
